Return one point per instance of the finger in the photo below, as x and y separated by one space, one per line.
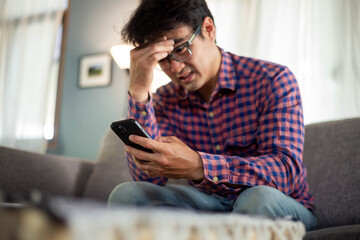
146 159
148 60
154 145
147 57
160 51
161 45
153 174
163 38
148 167
156 57
138 154
145 166
139 162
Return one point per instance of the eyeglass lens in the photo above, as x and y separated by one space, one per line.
181 53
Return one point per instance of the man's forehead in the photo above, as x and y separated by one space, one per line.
179 34
178 40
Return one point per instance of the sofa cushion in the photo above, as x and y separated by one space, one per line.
332 159
22 172
110 170
351 232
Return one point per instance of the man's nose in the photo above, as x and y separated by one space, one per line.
176 66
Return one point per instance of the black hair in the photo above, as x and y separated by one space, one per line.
155 17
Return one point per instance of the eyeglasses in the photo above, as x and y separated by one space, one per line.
181 53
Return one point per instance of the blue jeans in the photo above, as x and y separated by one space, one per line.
259 200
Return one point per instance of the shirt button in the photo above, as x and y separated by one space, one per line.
215 179
211 114
217 147
144 113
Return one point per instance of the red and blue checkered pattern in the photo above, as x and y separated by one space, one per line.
250 133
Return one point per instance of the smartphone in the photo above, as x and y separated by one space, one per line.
127 127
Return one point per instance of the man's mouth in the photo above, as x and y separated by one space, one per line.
186 78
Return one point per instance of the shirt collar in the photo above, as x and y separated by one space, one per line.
227 73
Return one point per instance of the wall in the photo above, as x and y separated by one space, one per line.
87 113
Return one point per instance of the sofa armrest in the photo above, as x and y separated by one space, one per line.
332 159
22 172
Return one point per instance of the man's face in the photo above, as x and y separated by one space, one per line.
201 69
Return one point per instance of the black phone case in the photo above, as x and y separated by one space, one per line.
125 128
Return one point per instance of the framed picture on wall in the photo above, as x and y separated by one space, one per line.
95 70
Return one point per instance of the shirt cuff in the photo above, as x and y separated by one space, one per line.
140 111
217 171
215 168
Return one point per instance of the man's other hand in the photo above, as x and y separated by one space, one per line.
171 158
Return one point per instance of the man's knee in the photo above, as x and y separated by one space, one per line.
130 193
259 200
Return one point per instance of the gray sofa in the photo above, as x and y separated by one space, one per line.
331 155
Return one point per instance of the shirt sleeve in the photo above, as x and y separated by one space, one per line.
280 139
144 114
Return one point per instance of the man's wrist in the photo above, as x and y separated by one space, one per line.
199 173
139 97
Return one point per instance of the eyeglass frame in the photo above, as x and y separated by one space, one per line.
185 44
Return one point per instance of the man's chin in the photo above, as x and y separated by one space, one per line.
191 87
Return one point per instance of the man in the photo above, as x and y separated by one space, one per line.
233 126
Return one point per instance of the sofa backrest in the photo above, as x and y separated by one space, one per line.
111 168
332 159
22 172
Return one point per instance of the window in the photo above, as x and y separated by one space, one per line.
27 37
51 127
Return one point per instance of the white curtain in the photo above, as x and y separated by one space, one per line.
27 38
319 40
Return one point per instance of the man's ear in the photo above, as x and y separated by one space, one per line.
208 28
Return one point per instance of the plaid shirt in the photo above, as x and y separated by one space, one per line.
250 133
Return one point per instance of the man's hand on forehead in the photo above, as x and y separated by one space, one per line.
143 59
